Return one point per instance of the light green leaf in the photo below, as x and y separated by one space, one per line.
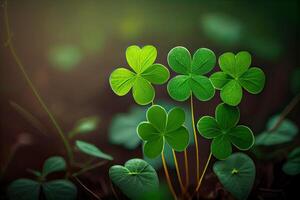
85 125
133 57
227 116
59 190
135 178
147 57
237 174
54 164
208 127
243 62
121 81
143 92
178 139
157 116
179 59
146 131
235 65
221 147
179 88
24 189
241 137
154 147
122 129
156 74
176 118
140 59
204 61
292 166
285 132
253 80
228 64
232 93
202 87
92 150
220 79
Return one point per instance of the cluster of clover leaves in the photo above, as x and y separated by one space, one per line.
163 127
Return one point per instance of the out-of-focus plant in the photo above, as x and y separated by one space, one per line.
25 189
292 165
285 132
162 128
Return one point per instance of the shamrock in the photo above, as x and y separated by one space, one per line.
223 130
145 72
162 126
237 75
191 81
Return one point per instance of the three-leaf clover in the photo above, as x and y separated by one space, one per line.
191 81
224 131
236 75
162 126
145 72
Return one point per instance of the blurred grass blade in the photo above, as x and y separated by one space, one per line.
29 117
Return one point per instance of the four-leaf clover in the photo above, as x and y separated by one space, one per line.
145 72
191 81
237 75
162 126
224 131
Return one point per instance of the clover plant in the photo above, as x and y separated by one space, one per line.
224 131
61 189
162 126
167 129
192 70
145 72
236 75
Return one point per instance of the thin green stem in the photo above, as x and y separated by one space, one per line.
187 174
203 173
88 168
178 172
285 112
29 82
195 138
168 176
87 189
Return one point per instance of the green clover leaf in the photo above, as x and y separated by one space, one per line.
162 126
237 174
192 79
236 75
224 131
145 72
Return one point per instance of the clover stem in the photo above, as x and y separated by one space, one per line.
203 173
168 176
187 174
87 189
178 172
195 138
35 92
89 167
285 112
